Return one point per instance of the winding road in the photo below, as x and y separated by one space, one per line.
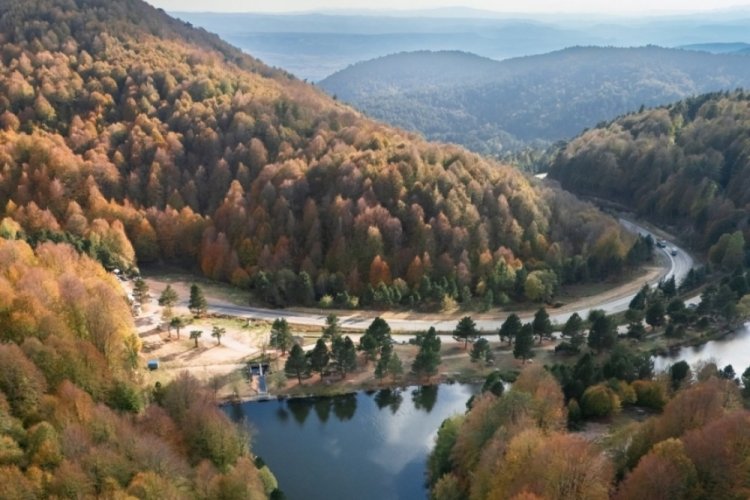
679 265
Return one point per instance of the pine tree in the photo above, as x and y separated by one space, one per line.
167 300
297 362
375 337
345 355
281 336
542 325
428 358
332 330
524 342
319 357
197 303
603 332
466 331
480 350
195 335
141 293
510 328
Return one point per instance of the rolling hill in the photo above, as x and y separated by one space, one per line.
491 106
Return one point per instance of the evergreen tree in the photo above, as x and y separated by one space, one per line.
197 303
319 356
375 337
639 300
522 349
381 368
510 328
345 354
480 350
428 358
141 293
655 312
332 330
296 363
167 300
466 331
281 336
195 335
603 332
542 325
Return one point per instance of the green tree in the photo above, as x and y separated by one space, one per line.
679 373
345 354
655 312
332 330
281 336
542 325
177 323
141 293
466 331
639 300
319 356
375 337
381 368
167 300
573 330
197 303
195 335
480 350
510 328
603 332
522 348
217 332
428 357
296 363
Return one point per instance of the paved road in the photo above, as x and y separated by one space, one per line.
679 265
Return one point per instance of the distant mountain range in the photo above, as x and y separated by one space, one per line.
720 48
315 45
493 106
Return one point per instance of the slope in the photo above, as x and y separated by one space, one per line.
492 106
685 164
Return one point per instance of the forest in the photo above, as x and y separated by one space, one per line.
498 107
517 446
74 421
684 165
141 140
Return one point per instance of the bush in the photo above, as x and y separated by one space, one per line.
650 394
599 401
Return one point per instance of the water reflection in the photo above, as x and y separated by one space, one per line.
733 349
355 446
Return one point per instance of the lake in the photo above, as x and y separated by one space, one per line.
367 445
732 349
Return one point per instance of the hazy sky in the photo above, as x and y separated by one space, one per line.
589 6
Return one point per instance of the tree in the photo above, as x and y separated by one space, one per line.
332 330
542 325
195 335
639 300
177 323
466 331
217 332
510 328
679 373
573 330
655 313
297 362
345 354
281 336
197 303
375 337
141 293
167 300
319 356
599 401
428 357
381 368
603 333
481 349
524 343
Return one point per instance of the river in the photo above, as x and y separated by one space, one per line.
367 445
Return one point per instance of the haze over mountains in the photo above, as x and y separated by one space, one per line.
315 45
492 106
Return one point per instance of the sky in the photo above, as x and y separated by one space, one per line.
527 6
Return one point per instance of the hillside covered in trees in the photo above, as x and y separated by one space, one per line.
139 139
74 422
686 164
496 106
516 445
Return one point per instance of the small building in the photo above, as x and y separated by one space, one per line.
153 364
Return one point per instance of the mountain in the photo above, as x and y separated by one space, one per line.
686 164
719 48
491 106
314 45
142 140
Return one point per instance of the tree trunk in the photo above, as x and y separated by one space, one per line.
299 377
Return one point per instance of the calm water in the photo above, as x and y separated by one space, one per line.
368 445
734 349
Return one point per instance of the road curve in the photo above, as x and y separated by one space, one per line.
679 265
